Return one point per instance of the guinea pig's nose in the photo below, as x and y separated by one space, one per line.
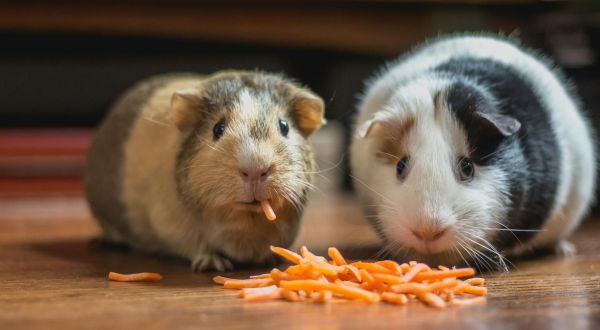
255 173
430 234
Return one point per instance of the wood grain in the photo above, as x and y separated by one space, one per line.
52 277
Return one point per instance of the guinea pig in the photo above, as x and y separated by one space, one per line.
182 162
472 149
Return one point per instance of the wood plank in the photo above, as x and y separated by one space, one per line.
52 277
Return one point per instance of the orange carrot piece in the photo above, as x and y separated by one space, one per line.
405 268
322 296
367 277
371 267
268 210
136 277
305 253
325 268
297 269
316 279
251 283
220 279
368 285
391 265
410 287
348 283
346 291
475 281
290 295
387 278
412 273
259 290
434 275
287 254
394 298
354 271
476 290
336 256
260 294
441 285
432 300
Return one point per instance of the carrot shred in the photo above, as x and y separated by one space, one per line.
336 256
265 289
346 291
268 210
391 265
354 271
136 277
367 276
441 274
405 268
387 278
412 273
290 295
371 267
287 254
475 281
413 288
305 253
476 290
394 298
314 278
251 283
220 279
259 294
432 300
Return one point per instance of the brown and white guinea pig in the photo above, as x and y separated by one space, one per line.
470 149
182 161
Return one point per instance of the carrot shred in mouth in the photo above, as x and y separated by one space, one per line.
314 278
268 210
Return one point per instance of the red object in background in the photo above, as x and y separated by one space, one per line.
42 161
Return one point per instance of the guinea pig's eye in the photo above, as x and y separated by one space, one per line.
218 129
402 167
284 127
466 169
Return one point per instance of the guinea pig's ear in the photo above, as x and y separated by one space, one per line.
505 125
382 124
185 109
368 128
308 110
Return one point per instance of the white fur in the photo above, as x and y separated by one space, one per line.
430 190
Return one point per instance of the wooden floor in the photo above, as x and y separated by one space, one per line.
51 276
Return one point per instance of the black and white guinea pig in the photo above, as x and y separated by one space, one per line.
470 149
182 163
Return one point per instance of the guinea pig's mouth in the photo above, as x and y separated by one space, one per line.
253 206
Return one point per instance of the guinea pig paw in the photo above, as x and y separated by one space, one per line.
565 249
211 261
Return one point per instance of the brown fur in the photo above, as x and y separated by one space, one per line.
181 188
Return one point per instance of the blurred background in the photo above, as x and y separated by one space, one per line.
64 62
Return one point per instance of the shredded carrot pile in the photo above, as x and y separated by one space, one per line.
134 277
315 278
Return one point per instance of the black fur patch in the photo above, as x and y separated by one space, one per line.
530 157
